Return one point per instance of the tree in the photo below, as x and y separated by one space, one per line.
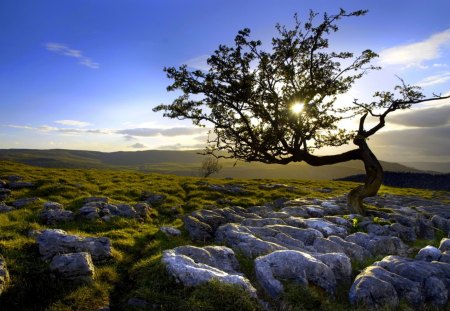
279 106
210 165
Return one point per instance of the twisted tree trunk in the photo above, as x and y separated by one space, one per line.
374 178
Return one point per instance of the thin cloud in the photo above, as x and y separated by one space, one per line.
426 117
138 146
179 146
63 130
170 132
415 54
65 50
73 123
435 79
199 62
129 138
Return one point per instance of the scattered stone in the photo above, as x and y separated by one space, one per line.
295 266
240 238
327 228
379 245
12 178
4 275
52 242
15 185
54 216
198 230
143 210
4 194
444 246
73 266
191 273
339 263
152 198
24 202
429 253
368 289
2 184
5 208
89 212
441 223
96 199
407 234
432 276
276 186
53 206
228 188
170 231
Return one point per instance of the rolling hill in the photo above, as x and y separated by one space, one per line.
185 163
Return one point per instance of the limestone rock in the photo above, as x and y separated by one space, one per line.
152 198
444 246
403 288
198 230
52 242
219 257
170 231
53 216
240 238
4 194
429 253
339 263
24 202
5 208
295 266
371 292
20 185
191 273
96 199
73 266
89 212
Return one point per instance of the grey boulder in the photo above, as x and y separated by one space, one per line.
52 242
192 273
295 266
73 266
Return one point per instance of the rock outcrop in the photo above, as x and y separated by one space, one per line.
73 266
194 266
52 242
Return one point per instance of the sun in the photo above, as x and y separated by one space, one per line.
297 107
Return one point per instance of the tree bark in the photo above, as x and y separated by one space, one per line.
374 178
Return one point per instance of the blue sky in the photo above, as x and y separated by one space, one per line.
85 74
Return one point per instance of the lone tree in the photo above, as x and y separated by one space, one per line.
210 165
279 106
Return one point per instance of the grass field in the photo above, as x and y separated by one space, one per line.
136 270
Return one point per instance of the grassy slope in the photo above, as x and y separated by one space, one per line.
184 163
136 270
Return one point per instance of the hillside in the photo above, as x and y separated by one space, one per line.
183 163
119 216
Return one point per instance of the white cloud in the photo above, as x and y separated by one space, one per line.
416 54
199 62
73 123
65 50
170 132
435 79
138 146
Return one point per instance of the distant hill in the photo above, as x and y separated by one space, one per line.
183 163
441 167
410 180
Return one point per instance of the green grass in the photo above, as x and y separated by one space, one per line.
136 270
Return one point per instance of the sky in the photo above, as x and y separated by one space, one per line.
85 74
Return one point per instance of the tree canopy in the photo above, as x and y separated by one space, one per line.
280 105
